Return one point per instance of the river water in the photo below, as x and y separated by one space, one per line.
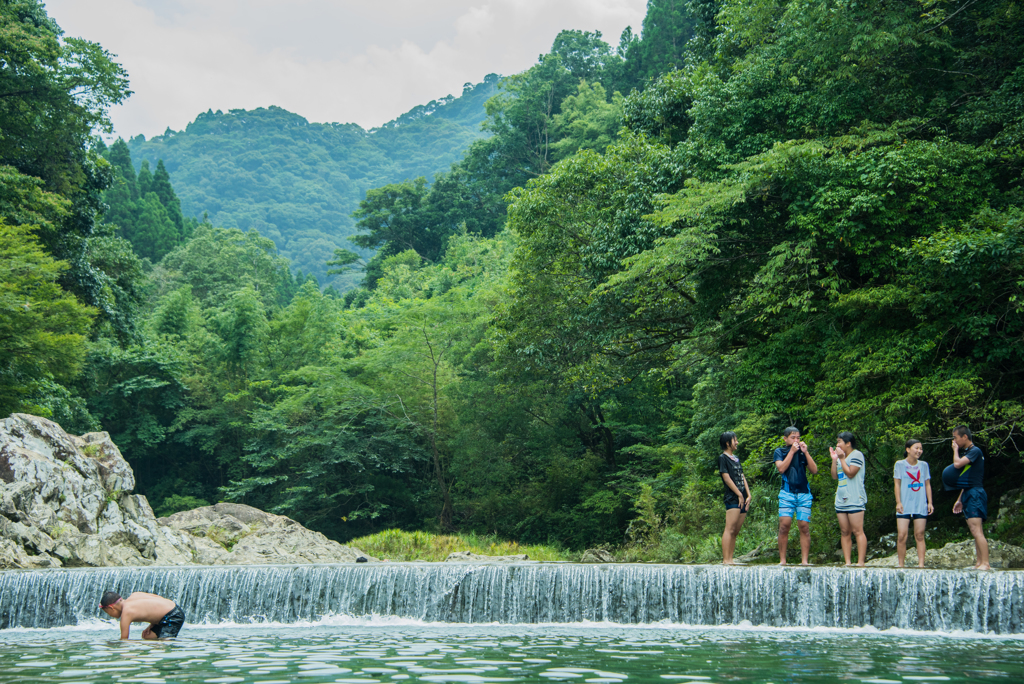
538 593
389 650
445 622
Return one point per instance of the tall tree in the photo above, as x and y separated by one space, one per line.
584 54
667 28
161 185
54 92
42 328
153 233
120 157
145 179
54 95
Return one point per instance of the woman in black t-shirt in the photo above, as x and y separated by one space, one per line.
737 494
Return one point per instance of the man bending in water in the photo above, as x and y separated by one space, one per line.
164 615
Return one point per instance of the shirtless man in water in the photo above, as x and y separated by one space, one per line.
164 615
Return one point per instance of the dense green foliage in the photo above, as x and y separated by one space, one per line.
143 208
810 215
298 182
843 254
42 328
63 279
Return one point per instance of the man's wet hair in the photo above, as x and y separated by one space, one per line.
848 438
963 431
790 430
109 598
726 439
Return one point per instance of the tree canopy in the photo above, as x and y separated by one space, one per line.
297 182
748 216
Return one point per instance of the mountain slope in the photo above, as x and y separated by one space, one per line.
298 182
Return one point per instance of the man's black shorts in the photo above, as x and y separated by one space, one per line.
170 624
975 503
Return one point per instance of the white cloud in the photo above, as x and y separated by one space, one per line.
363 62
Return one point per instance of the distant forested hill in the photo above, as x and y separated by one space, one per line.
298 182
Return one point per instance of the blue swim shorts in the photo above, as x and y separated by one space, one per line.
795 505
975 503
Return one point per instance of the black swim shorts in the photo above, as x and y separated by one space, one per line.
736 504
170 624
975 503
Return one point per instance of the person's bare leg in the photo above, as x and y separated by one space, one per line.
804 528
902 525
980 543
857 528
844 535
732 515
736 530
919 526
784 525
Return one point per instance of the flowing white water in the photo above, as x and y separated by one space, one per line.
538 593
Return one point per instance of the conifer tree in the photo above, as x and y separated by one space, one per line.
145 180
120 158
667 27
154 233
122 210
162 187
122 196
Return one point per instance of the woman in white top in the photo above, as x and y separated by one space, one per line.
851 496
913 481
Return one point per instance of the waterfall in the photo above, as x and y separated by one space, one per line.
931 600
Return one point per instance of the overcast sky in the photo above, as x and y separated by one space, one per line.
361 61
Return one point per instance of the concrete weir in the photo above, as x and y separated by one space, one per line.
531 593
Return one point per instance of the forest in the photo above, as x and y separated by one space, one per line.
744 216
298 182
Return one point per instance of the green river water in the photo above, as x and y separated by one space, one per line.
396 651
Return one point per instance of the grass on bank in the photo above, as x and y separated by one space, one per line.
397 545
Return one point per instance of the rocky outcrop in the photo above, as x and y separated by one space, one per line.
243 535
956 555
1011 505
67 501
470 557
597 556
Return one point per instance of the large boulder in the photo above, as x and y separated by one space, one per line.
958 555
597 556
67 501
1011 505
247 535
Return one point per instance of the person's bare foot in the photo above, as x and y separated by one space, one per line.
921 567
782 563
984 566
806 565
860 565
